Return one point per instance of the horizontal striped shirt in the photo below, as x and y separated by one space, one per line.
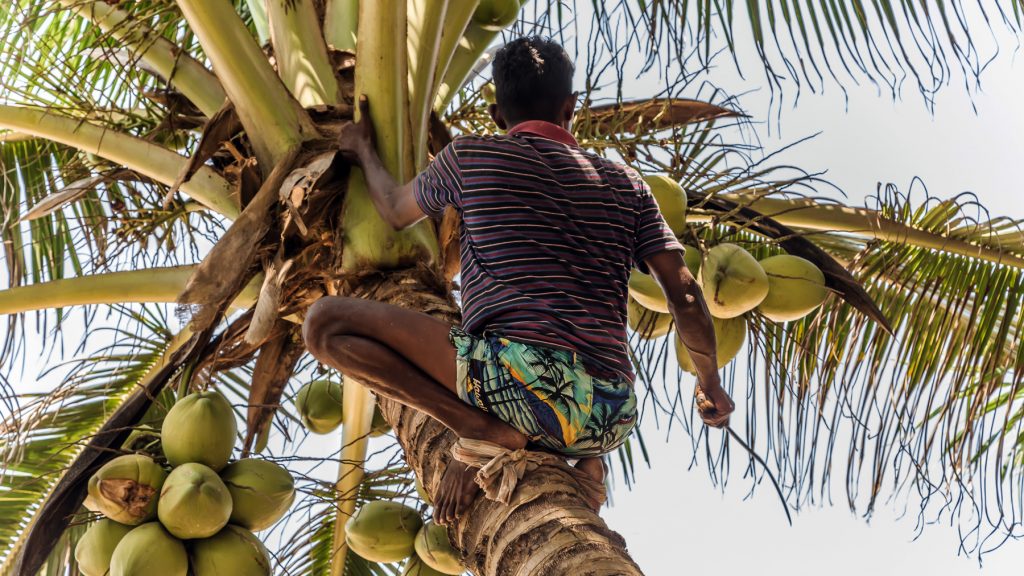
548 237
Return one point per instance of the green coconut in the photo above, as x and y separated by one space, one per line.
200 428
496 15
97 545
649 325
435 549
379 426
234 551
149 550
732 281
261 491
383 531
126 489
417 567
671 200
730 333
489 93
319 406
692 259
795 288
194 502
144 440
647 292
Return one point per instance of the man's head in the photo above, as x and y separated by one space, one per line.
533 81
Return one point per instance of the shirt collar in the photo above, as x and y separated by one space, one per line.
544 130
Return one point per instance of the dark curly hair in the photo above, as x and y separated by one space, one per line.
532 79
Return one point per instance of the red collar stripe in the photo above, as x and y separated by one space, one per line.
544 130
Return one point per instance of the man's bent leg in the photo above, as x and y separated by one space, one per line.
406 356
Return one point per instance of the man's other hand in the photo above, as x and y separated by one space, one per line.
714 404
355 140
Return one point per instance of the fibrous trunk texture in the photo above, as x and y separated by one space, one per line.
547 530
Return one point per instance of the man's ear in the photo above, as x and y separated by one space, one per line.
568 110
497 116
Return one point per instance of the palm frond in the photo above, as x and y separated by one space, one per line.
46 431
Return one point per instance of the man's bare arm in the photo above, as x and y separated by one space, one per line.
695 329
393 200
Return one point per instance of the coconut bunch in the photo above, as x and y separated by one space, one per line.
782 288
318 405
189 511
386 531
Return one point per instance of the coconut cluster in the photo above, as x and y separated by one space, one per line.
196 514
385 531
319 405
781 288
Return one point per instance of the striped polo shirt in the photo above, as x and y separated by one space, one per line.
548 237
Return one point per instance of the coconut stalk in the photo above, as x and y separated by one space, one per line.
152 160
427 20
183 72
273 120
258 11
151 285
301 53
341 18
807 214
457 18
472 45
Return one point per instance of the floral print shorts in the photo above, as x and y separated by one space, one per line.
545 393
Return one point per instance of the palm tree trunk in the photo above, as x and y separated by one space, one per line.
548 528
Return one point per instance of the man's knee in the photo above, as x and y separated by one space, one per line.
325 319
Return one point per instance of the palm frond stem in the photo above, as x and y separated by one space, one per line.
142 156
300 52
341 20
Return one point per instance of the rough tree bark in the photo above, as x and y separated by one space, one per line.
547 530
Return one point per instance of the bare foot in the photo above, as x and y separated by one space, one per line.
458 486
592 466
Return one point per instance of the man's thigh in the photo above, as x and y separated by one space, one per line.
419 338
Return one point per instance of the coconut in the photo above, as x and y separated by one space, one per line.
234 551
730 333
795 288
144 440
383 531
200 428
692 259
732 281
647 292
671 200
261 492
496 15
379 426
97 545
417 567
319 406
126 489
194 503
649 325
435 550
148 550
489 93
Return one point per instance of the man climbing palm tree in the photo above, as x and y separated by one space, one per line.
549 235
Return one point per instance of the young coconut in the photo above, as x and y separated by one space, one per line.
671 200
194 503
148 550
126 489
261 492
417 567
795 288
649 325
97 545
383 531
692 259
730 333
732 281
200 428
319 406
234 551
647 292
435 550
